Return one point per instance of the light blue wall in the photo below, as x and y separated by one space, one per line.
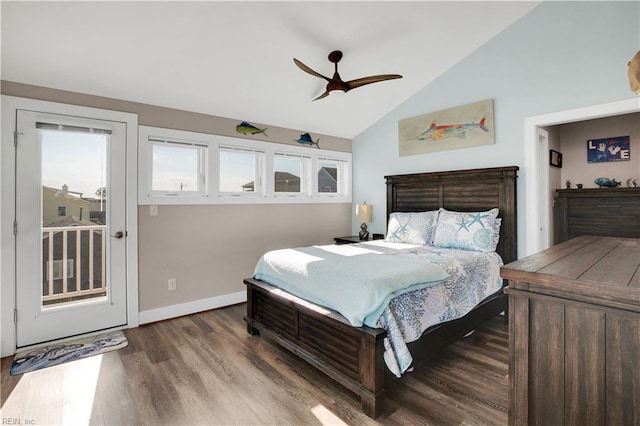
560 56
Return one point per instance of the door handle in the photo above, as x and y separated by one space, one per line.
118 235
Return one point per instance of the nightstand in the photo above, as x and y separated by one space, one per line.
353 239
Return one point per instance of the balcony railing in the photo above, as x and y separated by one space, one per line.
73 263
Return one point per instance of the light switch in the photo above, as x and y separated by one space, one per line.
153 210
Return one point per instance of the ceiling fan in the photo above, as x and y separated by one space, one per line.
336 83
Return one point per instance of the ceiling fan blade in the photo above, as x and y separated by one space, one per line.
305 68
352 84
324 95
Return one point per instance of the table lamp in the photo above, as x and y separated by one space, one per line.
364 214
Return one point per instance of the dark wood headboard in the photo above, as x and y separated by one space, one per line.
461 190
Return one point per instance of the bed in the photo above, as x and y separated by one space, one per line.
354 356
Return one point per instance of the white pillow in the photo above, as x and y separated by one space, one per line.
411 228
475 231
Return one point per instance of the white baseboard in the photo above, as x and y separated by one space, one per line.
173 311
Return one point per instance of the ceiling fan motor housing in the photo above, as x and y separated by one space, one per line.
335 56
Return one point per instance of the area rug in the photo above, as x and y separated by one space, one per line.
59 353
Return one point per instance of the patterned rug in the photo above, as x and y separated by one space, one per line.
59 353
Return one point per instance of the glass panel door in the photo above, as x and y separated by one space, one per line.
70 215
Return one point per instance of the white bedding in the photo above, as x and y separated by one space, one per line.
358 281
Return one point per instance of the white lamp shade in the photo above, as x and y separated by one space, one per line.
364 213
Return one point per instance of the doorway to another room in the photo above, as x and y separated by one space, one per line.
540 194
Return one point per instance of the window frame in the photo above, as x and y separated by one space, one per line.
201 173
259 155
305 166
265 156
342 166
146 137
59 264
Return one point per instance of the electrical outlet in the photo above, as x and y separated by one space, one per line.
172 284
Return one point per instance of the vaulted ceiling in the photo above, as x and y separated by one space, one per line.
235 59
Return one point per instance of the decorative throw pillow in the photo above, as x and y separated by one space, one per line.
467 230
496 231
411 228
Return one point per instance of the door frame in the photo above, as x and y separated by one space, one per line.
544 221
533 163
9 106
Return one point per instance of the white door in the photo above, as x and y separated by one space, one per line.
70 226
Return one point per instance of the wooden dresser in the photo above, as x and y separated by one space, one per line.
611 212
574 334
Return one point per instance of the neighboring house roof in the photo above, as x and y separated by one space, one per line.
285 177
64 192
280 177
331 171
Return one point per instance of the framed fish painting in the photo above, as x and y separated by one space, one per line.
454 128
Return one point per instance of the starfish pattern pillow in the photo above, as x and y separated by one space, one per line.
467 230
411 228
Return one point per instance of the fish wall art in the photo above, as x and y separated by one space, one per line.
460 127
305 139
249 129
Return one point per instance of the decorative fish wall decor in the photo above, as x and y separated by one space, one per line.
606 182
249 129
445 131
464 126
305 139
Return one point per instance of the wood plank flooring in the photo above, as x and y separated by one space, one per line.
205 369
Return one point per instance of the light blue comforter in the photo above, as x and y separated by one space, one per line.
355 280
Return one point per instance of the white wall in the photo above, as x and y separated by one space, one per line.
560 56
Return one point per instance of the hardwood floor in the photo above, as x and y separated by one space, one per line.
205 369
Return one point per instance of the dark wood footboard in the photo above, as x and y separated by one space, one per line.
350 355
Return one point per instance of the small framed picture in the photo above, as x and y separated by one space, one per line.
555 158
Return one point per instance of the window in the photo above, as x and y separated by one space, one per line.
62 210
328 177
177 168
57 269
240 170
288 173
332 177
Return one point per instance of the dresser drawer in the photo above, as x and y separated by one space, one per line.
621 226
604 206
